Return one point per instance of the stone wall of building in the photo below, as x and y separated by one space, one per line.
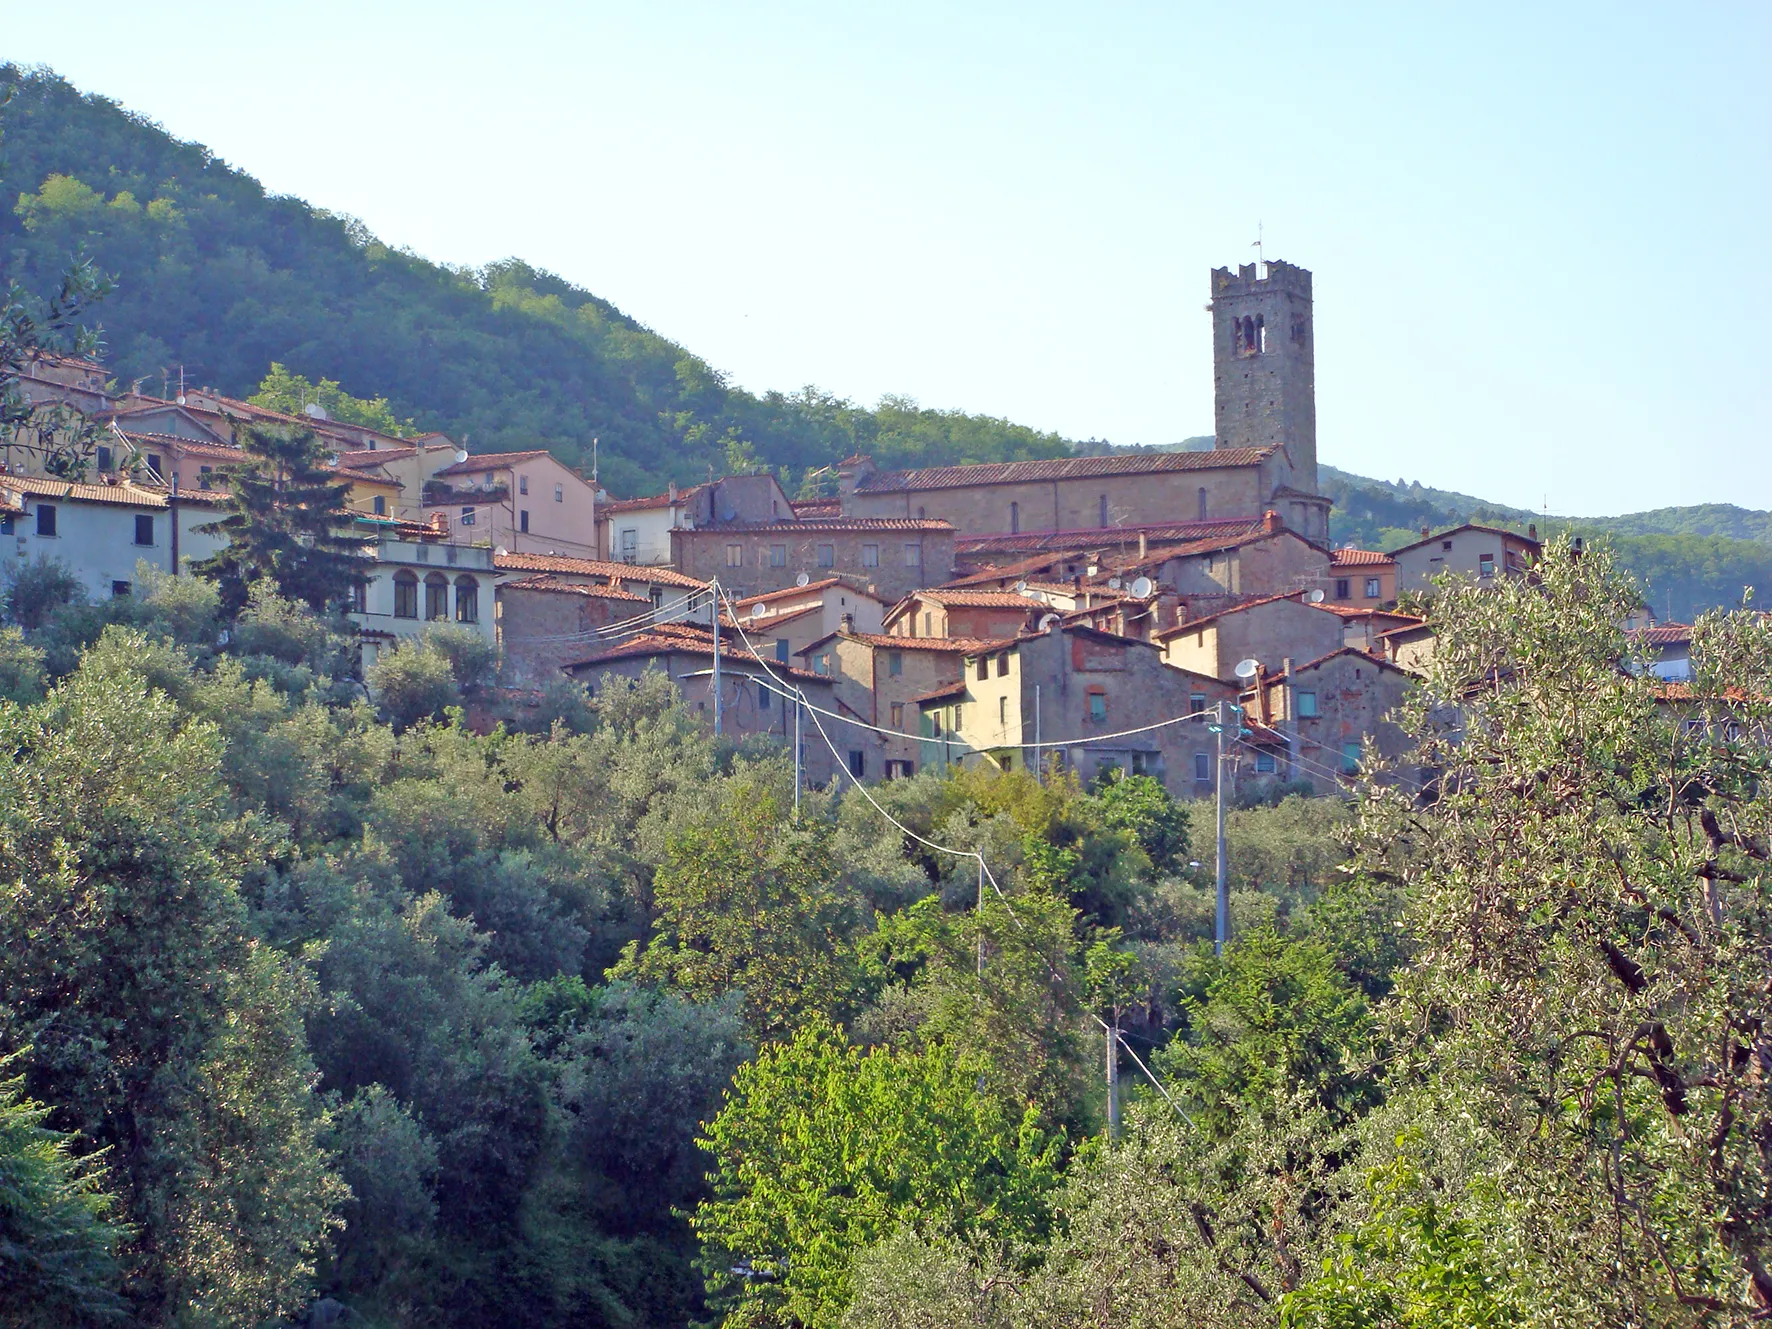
888 559
1264 364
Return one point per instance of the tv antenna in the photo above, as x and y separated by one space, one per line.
1260 252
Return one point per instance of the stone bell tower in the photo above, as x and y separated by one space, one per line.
1264 364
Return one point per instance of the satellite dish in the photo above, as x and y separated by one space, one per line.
314 411
758 610
1021 588
461 455
1050 622
501 551
1315 597
1247 669
1113 583
802 579
1142 588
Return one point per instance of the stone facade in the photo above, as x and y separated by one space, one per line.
1264 375
545 622
886 558
1070 685
1086 497
749 706
1326 709
1360 579
783 623
1275 561
1270 631
879 678
1481 553
965 612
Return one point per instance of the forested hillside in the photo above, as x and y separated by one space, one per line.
214 275
1687 560
217 276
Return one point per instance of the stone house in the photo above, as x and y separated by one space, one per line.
878 679
1409 647
965 612
885 557
1083 497
525 502
1063 689
546 621
638 530
1324 712
1364 629
1669 648
1268 562
1270 630
1481 553
749 688
782 624
1360 578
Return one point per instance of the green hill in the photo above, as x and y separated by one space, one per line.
215 275
218 276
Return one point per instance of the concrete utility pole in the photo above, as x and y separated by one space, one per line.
1224 900
1113 1079
981 917
714 587
797 754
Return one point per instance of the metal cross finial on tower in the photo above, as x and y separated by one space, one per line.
1260 253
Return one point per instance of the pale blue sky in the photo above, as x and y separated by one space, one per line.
1538 232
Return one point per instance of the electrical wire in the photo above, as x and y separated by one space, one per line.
973 854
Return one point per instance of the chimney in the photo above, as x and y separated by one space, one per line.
673 491
846 624
1425 532
1532 530
1272 522
1144 546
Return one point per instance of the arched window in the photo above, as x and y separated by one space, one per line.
1014 517
1248 347
436 596
405 595
467 600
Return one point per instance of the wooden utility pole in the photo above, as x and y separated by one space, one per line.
1222 929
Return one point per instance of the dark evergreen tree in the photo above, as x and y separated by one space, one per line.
282 523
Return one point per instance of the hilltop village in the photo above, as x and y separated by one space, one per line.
1088 612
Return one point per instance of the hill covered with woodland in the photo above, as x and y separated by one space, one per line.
217 276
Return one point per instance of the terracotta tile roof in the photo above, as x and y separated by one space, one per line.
814 525
974 599
365 477
1468 526
1195 623
768 596
125 494
594 567
374 456
546 582
492 461
946 645
1366 657
1009 571
1359 558
1102 539
651 501
1353 611
1057 468
773 621
823 507
679 639
1664 634
189 447
942 693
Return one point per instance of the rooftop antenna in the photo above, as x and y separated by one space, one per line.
1260 253
593 459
